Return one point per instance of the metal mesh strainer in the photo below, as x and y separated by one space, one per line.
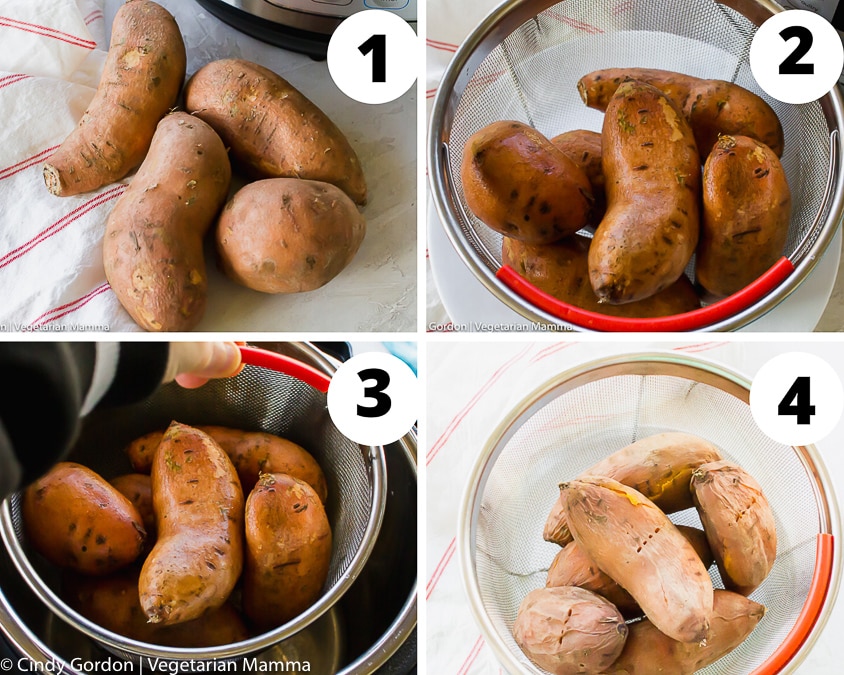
523 62
284 395
579 417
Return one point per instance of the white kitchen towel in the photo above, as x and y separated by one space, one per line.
51 273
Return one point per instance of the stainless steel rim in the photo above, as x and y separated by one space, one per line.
486 36
642 364
317 359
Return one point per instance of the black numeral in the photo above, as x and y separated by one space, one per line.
791 66
796 402
377 44
382 401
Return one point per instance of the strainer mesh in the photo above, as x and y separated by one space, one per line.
531 77
578 428
257 399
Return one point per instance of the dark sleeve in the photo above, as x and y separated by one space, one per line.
45 386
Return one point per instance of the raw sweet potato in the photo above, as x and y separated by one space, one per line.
284 235
652 169
113 603
649 652
152 250
738 522
520 184
272 129
199 512
746 212
572 567
141 80
635 544
288 550
76 520
568 630
137 488
658 466
251 452
561 269
584 149
713 107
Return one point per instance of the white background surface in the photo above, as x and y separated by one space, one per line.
472 385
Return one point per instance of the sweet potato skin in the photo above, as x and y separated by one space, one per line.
746 212
273 130
583 147
572 567
152 250
738 522
561 269
713 107
288 550
199 553
285 235
659 466
522 186
652 168
251 452
113 603
76 520
634 543
137 488
649 652
569 630
141 80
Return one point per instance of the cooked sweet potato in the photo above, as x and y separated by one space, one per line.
572 567
273 130
738 522
285 235
288 550
658 466
251 452
152 250
141 80
746 212
569 630
199 512
76 520
137 488
652 169
584 149
113 603
561 269
713 107
635 544
521 185
650 652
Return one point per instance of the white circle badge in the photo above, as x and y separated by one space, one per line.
373 398
796 398
373 56
796 56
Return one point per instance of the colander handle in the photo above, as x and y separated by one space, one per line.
810 612
694 320
262 358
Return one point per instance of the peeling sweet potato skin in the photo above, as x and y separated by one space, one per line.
568 630
288 550
713 107
738 522
635 544
658 466
652 171
273 130
152 249
521 185
746 212
77 520
141 81
650 652
199 553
